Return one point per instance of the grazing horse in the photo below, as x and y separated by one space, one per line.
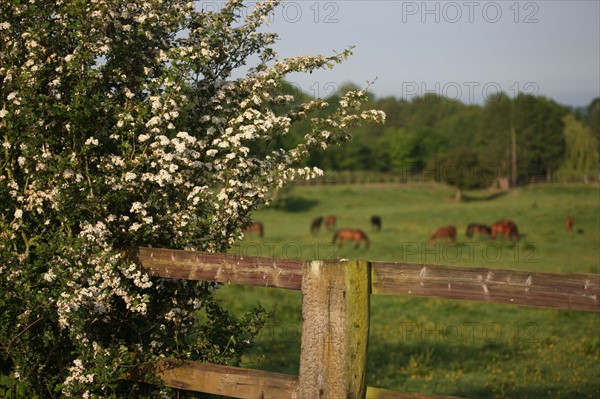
478 228
569 224
330 222
376 223
354 235
447 232
255 227
316 225
506 228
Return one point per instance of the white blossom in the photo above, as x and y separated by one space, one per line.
49 276
164 173
91 141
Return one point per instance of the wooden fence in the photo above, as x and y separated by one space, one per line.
334 177
335 313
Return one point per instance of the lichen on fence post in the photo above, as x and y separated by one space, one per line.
335 330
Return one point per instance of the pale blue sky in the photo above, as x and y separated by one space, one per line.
463 49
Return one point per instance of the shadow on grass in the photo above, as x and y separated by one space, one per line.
461 364
297 204
472 198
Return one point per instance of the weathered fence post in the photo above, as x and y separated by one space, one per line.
335 329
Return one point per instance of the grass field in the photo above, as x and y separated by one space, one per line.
456 348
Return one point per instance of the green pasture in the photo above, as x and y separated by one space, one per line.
456 348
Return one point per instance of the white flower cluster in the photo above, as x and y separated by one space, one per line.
98 277
125 131
77 375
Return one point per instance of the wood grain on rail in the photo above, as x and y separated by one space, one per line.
236 382
514 287
222 268
505 286
228 381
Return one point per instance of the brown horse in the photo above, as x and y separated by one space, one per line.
330 222
482 229
447 232
506 228
255 227
316 225
569 224
376 223
354 235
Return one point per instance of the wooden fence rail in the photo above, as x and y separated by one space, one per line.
514 287
335 313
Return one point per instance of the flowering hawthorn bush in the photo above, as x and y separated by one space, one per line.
121 126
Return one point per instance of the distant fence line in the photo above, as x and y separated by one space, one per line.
333 177
335 314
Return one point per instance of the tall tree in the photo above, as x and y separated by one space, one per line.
593 117
459 167
539 134
582 152
395 152
494 135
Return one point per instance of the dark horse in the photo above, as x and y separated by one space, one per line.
354 235
330 222
255 227
376 223
506 228
478 228
447 232
316 225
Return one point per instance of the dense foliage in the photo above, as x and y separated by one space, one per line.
121 126
426 129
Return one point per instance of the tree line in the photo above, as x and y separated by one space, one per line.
507 141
